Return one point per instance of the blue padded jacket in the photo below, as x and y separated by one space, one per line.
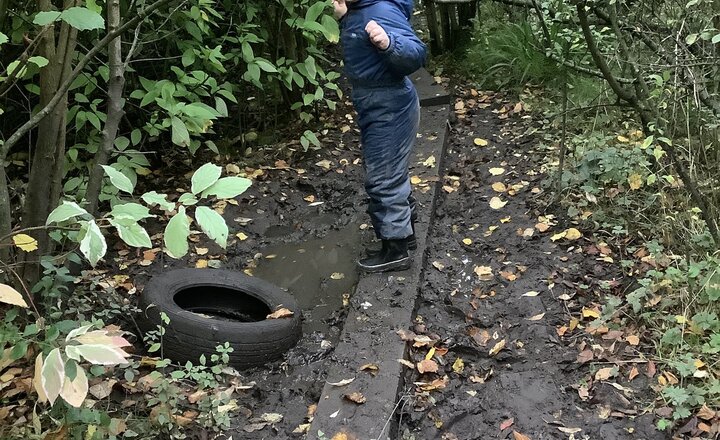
367 65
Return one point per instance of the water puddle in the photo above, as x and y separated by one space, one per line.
317 273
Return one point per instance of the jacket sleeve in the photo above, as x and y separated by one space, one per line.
406 53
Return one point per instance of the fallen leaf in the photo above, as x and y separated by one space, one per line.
309 199
438 265
633 340
590 313
355 397
480 142
531 293
497 203
585 356
337 276
201 264
427 366
537 317
496 171
481 337
502 220
483 272
241 236
8 295
542 227
499 187
605 373
326 164
281 313
429 162
569 430
497 348
458 366
558 236
633 373
370 368
415 180
706 413
519 436
342 383
506 424
572 234
407 363
467 241
25 242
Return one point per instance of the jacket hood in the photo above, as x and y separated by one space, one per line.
405 5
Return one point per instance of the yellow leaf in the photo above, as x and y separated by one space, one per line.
505 220
458 366
430 353
481 142
310 198
467 241
590 313
484 272
572 234
497 203
241 236
337 276
635 181
496 171
531 293
680 319
623 139
415 180
497 348
281 313
557 237
25 242
201 264
8 295
499 187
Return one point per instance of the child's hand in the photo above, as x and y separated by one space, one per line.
377 35
340 8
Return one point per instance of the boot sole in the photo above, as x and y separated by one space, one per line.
390 266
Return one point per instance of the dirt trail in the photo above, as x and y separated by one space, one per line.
475 296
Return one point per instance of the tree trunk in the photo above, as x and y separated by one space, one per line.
115 112
5 211
433 29
46 167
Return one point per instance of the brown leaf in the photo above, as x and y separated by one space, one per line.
605 373
542 227
427 366
519 436
537 317
585 356
355 397
406 335
706 413
481 337
281 313
633 373
650 369
633 340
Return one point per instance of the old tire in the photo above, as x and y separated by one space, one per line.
209 307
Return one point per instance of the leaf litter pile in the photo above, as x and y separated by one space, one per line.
506 340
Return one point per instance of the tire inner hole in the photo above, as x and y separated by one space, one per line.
222 303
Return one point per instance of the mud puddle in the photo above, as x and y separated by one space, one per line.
319 273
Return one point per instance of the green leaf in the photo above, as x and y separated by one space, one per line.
200 111
93 244
136 136
187 199
131 232
716 39
82 19
135 211
99 354
312 138
180 134
205 177
690 39
46 17
153 198
78 332
228 187
176 234
265 65
118 179
331 31
3 38
39 61
315 11
53 375
64 212
212 224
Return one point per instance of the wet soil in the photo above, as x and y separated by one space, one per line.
533 385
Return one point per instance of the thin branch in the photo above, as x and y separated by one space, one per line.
62 90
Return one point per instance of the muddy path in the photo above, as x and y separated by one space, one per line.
497 301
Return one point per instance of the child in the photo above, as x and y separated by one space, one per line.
380 49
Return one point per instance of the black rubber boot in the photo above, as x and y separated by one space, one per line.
393 256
